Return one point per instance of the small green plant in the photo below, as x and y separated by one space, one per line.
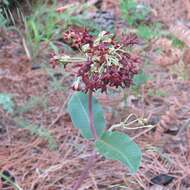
147 32
40 27
138 80
133 12
6 102
158 93
38 131
6 11
45 24
177 43
4 2
33 102
106 62
3 20
136 15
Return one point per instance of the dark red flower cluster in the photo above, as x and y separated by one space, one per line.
77 37
108 64
113 76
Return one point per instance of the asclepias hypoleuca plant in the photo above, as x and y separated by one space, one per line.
105 63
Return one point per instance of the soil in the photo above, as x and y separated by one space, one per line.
39 163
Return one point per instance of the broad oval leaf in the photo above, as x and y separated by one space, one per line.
119 146
78 110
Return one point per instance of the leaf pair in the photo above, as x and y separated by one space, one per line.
112 145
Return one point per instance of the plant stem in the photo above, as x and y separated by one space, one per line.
85 171
93 129
91 159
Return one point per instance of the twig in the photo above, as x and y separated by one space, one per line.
145 131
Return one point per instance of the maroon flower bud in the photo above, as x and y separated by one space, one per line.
77 37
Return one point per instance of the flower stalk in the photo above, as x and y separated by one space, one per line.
93 129
91 159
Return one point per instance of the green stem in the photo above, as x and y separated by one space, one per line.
91 159
93 129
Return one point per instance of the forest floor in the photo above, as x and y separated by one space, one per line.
41 149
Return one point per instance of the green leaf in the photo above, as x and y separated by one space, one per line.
133 12
126 7
78 110
6 102
177 43
148 32
145 32
118 146
3 20
140 79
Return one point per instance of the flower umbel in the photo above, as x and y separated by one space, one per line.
106 62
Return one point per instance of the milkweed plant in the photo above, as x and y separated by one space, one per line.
105 63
